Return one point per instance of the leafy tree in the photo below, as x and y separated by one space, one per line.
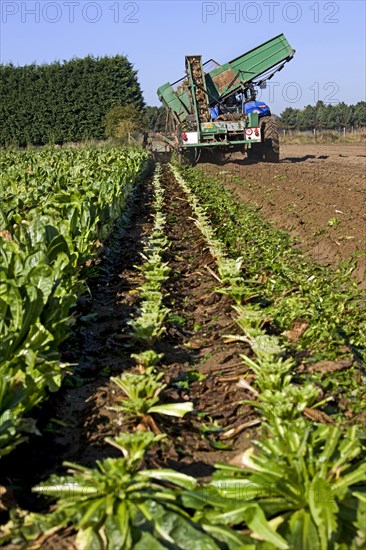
289 118
307 118
341 114
123 120
155 118
360 114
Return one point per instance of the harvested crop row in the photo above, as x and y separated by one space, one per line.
142 390
319 315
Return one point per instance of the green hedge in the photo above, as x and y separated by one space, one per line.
63 102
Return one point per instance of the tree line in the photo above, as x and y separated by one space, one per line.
64 101
324 117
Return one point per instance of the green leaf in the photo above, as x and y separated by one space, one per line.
172 409
179 531
134 445
117 528
42 277
89 538
38 336
237 488
231 539
234 515
323 509
357 476
303 532
148 542
11 295
66 489
257 522
94 512
179 479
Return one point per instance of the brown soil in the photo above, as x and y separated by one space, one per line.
317 193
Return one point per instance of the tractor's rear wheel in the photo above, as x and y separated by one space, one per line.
269 149
270 140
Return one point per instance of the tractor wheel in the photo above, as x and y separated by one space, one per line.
270 146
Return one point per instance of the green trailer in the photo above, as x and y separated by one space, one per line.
213 108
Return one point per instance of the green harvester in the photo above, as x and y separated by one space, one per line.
213 108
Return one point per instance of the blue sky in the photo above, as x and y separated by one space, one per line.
329 38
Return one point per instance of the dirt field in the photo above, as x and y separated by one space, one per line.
317 193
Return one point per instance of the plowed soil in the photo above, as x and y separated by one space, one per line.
316 192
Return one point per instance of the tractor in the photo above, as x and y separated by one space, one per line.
213 110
